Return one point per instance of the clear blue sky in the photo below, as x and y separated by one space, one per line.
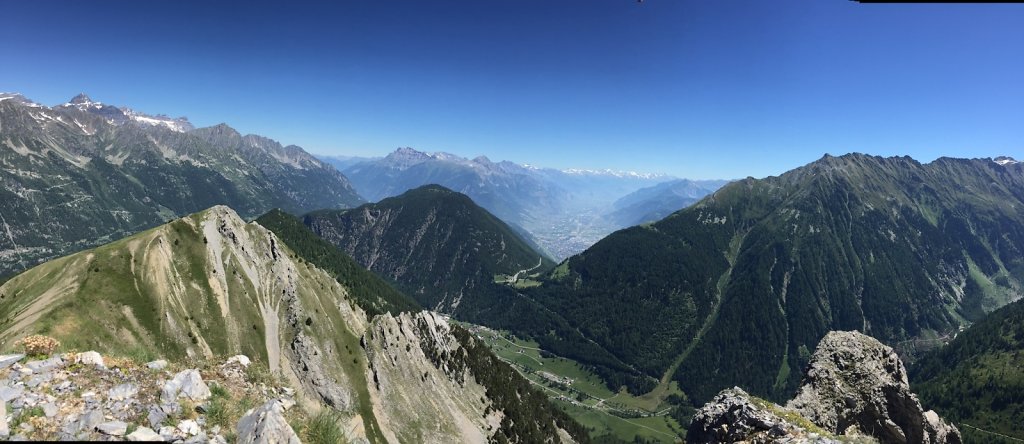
701 89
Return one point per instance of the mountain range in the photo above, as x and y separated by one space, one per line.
737 289
668 290
84 173
563 211
655 202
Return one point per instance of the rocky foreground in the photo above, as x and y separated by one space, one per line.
84 396
855 390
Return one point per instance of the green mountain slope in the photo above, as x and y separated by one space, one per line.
976 379
71 178
436 244
737 289
211 285
369 291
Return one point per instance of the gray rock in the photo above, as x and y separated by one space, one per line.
186 383
144 434
113 428
855 382
9 393
41 378
50 409
239 360
122 392
159 364
90 420
45 364
156 417
266 424
167 433
733 416
90 358
7 360
310 360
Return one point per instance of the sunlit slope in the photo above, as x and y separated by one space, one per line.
737 289
211 285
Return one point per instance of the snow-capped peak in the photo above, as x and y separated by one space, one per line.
181 124
1005 160
84 103
613 173
18 98
122 115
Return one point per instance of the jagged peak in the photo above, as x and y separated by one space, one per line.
80 99
220 130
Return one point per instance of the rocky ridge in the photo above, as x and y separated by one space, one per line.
72 177
855 390
211 285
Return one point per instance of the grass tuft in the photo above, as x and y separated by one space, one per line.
323 428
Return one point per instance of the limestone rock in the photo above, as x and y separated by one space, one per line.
855 381
266 424
144 434
122 392
45 365
90 358
7 360
733 416
113 428
186 383
159 364
240 360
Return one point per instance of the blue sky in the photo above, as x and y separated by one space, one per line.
700 89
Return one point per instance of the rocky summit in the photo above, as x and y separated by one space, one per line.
855 382
855 390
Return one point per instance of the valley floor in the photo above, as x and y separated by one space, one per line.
582 394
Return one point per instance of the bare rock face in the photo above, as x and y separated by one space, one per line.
855 390
266 424
734 416
856 383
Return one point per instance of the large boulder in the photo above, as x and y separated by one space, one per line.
855 383
266 424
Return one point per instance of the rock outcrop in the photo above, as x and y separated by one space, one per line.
856 382
855 390
735 416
